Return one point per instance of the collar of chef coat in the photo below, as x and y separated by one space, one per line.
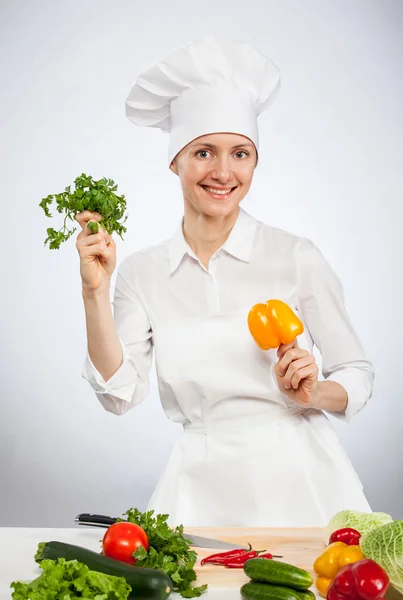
238 244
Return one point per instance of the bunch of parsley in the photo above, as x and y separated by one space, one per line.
96 196
168 551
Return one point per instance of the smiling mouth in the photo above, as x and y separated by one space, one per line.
217 192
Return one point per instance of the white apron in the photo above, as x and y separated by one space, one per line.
250 460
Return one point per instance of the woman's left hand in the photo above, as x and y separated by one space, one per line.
297 374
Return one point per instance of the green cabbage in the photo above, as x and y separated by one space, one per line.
384 545
69 580
362 522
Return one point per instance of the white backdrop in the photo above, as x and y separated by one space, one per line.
330 169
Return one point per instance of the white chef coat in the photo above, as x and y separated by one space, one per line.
248 456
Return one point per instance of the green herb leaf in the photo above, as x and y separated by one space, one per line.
169 551
95 196
93 225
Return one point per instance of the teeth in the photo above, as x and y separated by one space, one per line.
220 192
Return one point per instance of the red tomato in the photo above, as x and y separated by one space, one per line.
122 539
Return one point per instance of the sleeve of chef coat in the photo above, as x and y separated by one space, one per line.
129 385
321 303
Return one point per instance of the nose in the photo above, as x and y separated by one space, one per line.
222 171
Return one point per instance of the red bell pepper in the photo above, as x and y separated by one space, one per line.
362 580
347 535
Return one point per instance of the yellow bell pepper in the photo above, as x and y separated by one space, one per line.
353 554
273 323
322 585
328 564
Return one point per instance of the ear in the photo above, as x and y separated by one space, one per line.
173 167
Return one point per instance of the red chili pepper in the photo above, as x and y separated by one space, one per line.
221 557
238 562
347 535
362 580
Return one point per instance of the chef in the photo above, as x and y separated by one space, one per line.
257 447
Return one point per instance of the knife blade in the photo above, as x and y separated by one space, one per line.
198 541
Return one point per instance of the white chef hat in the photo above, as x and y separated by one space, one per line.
212 85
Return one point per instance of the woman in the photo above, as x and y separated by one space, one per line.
257 448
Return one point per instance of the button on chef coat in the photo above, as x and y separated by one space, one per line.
215 381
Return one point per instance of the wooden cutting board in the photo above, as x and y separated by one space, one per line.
299 547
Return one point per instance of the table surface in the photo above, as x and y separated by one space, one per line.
299 547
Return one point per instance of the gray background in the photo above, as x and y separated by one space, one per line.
330 169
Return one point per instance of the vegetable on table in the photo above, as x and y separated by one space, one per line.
122 539
348 535
274 572
362 522
362 580
273 323
331 561
96 196
165 565
238 562
70 580
384 545
273 580
264 591
235 559
169 551
144 582
220 557
307 595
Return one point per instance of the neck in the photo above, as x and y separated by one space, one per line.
205 234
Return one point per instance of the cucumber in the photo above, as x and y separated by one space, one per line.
264 591
149 584
308 595
277 573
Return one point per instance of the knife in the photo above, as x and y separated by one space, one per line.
92 520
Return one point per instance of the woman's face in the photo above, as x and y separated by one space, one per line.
216 172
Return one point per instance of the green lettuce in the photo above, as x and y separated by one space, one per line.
385 546
362 522
68 580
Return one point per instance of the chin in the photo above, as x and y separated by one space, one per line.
219 209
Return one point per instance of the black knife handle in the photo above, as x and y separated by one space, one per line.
95 519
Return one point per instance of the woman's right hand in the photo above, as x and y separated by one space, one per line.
97 254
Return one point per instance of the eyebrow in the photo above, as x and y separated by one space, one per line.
214 147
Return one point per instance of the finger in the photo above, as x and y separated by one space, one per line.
86 231
110 241
99 250
282 349
294 368
106 236
308 372
87 248
290 356
93 239
84 217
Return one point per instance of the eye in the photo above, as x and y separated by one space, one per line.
237 154
202 152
